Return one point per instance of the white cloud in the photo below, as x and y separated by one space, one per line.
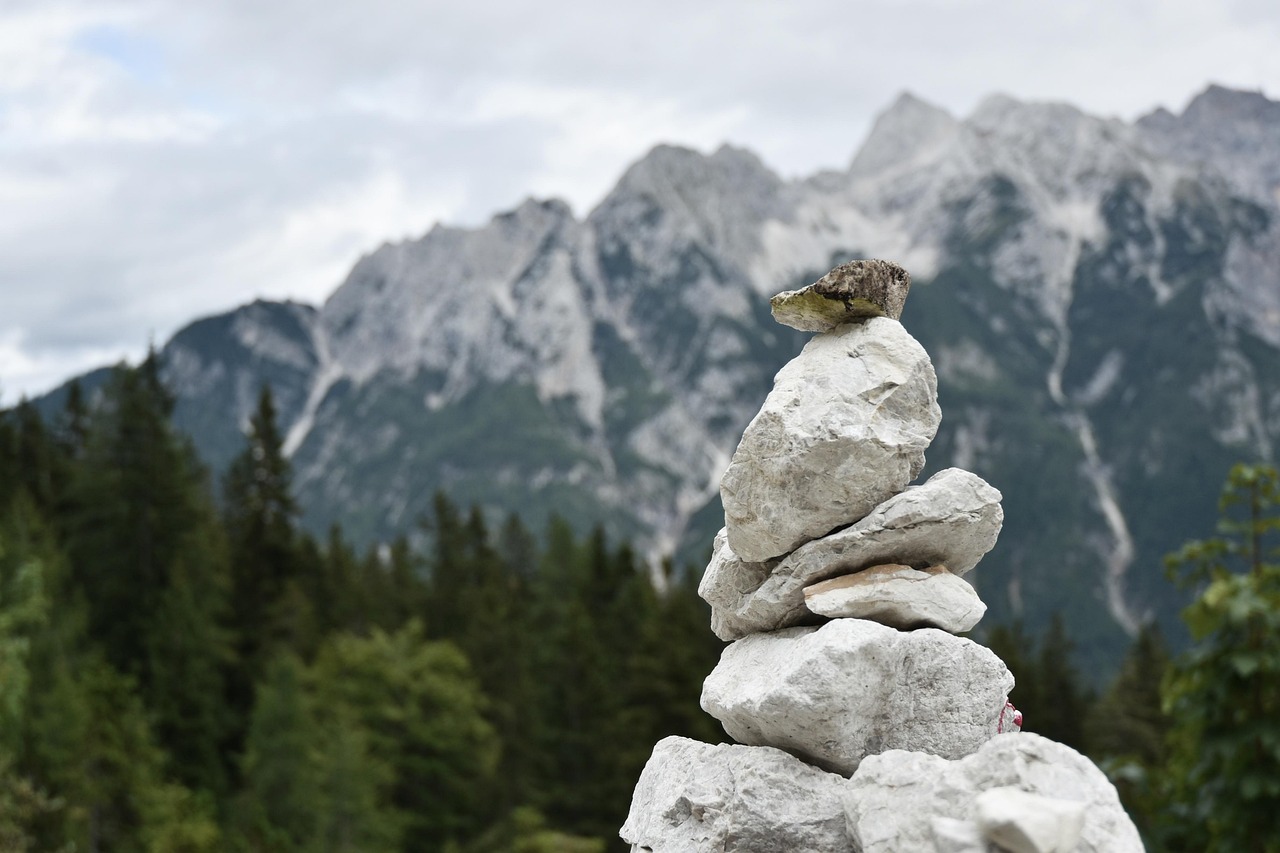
163 159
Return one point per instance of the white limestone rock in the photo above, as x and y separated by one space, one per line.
851 688
900 597
896 798
1020 822
698 797
953 519
957 836
845 427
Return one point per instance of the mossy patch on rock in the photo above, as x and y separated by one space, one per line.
854 291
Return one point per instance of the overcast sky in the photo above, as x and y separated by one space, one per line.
161 161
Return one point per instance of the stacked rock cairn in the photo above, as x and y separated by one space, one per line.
863 722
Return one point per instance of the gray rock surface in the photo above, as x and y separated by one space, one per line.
845 427
900 597
953 519
895 797
852 688
958 836
1020 822
697 797
849 293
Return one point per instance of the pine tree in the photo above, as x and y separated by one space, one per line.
24 608
1126 730
260 517
1128 721
190 654
135 500
40 463
1064 698
445 617
147 556
73 432
8 457
405 585
338 597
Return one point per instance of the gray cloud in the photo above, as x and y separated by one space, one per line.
163 160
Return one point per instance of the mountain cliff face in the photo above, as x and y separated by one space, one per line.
1101 300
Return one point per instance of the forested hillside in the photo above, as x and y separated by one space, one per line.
182 669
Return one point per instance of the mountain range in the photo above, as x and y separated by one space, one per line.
1101 300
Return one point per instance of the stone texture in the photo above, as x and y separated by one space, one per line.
1020 822
852 688
697 797
895 797
900 597
957 836
845 427
849 293
953 520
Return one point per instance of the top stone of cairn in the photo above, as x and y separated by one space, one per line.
850 292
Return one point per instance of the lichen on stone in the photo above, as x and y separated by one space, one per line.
851 292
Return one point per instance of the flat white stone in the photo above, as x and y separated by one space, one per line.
896 797
851 688
695 797
1020 822
953 519
900 597
845 427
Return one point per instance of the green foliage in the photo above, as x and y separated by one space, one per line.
260 516
180 821
421 708
472 692
525 830
1126 731
311 783
23 606
1128 719
1224 693
281 795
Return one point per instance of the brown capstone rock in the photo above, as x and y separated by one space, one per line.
854 291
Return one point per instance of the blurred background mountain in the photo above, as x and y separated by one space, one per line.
1101 300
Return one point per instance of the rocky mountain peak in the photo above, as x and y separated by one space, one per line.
676 193
1053 148
1219 102
909 132
390 310
1234 133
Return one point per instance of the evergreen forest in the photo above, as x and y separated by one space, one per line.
182 669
